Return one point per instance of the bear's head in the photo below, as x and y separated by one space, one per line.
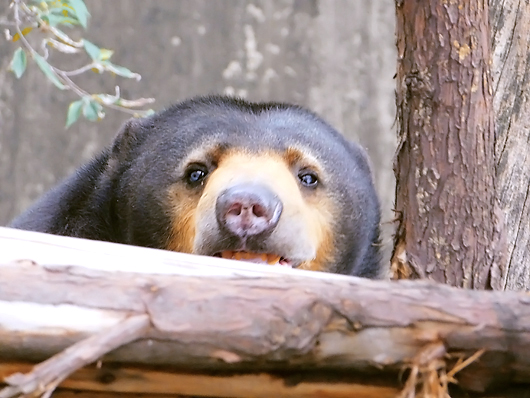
268 183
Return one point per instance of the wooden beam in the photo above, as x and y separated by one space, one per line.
129 380
209 314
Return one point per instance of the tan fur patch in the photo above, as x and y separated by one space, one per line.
322 224
297 157
320 209
183 206
183 202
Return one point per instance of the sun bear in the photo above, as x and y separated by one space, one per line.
261 182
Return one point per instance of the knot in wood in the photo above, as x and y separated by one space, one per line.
418 85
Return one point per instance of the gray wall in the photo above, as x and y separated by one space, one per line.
335 56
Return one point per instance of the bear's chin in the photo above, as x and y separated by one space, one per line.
256 258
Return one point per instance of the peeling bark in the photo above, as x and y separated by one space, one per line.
510 24
449 224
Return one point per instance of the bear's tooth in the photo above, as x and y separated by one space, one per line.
263 257
273 259
227 254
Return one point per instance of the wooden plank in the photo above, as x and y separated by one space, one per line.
210 314
115 380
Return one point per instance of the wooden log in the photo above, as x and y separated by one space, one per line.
134 380
210 314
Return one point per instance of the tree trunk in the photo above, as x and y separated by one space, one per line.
204 315
510 23
449 228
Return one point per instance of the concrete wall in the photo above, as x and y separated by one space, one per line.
335 56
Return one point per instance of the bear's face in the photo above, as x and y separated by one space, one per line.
267 183
260 206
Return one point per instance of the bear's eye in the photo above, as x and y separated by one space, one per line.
196 174
308 178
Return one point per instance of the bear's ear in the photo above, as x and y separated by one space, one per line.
131 134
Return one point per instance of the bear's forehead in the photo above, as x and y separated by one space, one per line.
180 132
256 143
255 133
276 123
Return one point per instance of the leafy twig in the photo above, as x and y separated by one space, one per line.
45 17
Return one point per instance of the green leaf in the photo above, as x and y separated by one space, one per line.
92 50
92 110
47 70
81 12
120 71
74 111
19 62
58 19
45 1
105 54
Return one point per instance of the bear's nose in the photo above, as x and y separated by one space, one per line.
248 209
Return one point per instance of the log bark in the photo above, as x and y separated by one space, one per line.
510 25
215 315
449 223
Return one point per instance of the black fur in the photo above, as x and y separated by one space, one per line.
120 195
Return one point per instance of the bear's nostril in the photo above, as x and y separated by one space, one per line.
259 211
235 209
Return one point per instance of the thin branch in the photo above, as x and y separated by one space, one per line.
81 70
19 31
19 7
46 376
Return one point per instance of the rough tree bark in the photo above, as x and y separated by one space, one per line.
449 225
202 314
510 25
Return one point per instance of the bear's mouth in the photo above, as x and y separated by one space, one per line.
257 258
